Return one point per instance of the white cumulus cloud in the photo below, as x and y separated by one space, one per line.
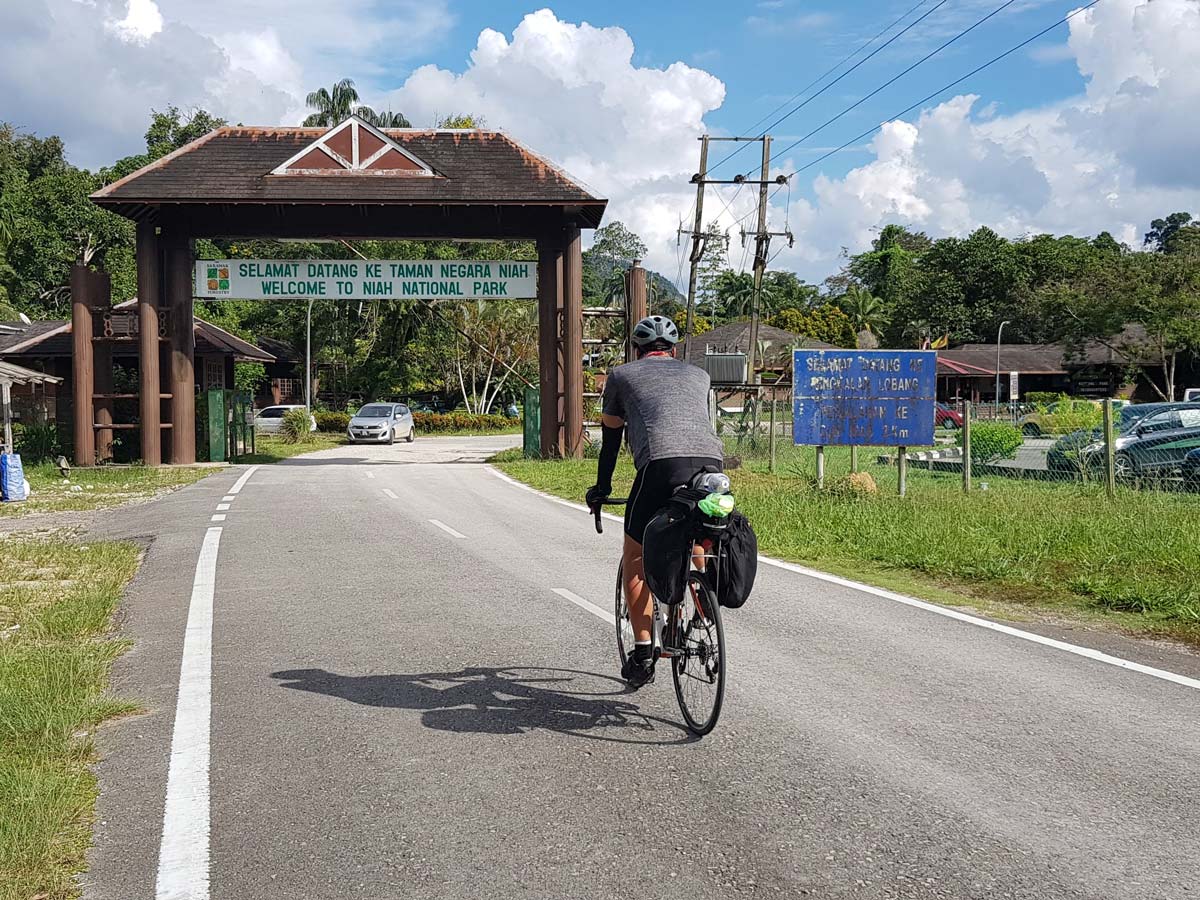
1111 159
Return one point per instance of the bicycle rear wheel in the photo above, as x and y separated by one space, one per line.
698 666
625 637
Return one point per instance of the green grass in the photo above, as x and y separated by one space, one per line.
273 449
56 603
99 487
1033 547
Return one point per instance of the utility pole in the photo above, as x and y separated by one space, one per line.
698 240
761 242
763 236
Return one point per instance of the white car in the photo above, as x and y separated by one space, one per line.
270 419
1191 395
381 423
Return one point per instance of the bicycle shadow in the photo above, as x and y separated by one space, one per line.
501 700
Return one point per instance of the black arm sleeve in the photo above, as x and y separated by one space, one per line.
610 446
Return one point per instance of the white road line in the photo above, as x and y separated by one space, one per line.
369 474
446 528
241 482
227 498
183 854
390 494
585 604
219 517
222 506
1086 652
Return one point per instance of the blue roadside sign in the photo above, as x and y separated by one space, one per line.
881 398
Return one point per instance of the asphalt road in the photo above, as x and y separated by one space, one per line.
403 706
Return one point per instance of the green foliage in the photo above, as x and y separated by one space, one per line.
701 325
331 421
617 243
434 423
295 427
825 323
247 376
1162 230
993 441
331 106
462 120
1041 398
37 442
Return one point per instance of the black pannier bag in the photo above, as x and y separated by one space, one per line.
739 563
668 544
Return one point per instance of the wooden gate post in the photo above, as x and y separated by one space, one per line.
572 343
149 291
82 369
550 275
179 258
102 367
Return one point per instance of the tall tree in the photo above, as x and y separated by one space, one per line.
1161 229
616 244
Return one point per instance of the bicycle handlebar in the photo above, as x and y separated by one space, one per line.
600 504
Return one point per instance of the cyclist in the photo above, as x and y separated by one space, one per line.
661 404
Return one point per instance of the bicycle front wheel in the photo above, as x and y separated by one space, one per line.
625 639
698 665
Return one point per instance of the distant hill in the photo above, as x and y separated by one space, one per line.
599 269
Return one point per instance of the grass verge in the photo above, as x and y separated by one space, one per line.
56 605
97 488
1042 548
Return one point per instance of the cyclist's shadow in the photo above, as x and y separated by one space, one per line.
507 700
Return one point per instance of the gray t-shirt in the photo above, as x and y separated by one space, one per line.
664 403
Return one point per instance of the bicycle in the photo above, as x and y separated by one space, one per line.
688 633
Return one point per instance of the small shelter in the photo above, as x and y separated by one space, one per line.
10 375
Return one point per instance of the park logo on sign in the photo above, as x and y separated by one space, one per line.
218 280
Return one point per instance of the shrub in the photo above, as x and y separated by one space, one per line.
1073 415
993 441
37 442
1042 398
295 427
328 420
432 423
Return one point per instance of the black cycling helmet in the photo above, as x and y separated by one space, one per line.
655 328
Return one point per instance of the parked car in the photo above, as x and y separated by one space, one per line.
945 417
381 423
269 420
1152 438
1191 469
1191 395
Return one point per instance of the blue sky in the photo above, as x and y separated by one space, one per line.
766 52
1052 139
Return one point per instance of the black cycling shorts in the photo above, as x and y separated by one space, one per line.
655 484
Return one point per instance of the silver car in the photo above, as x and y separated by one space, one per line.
381 423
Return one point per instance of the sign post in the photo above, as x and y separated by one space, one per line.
876 398
356 279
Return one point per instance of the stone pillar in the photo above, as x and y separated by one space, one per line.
572 344
178 269
149 292
549 299
82 365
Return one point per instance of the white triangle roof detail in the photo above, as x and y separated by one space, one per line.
355 163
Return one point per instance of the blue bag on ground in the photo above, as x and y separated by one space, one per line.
12 477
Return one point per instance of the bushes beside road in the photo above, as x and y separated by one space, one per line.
451 422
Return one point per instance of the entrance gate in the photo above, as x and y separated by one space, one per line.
352 181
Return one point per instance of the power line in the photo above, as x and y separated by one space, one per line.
944 88
999 9
845 59
899 34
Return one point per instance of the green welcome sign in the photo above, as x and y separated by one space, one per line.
405 279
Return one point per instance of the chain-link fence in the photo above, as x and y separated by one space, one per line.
1100 445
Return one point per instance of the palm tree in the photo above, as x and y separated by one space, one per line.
386 119
865 310
338 104
332 106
